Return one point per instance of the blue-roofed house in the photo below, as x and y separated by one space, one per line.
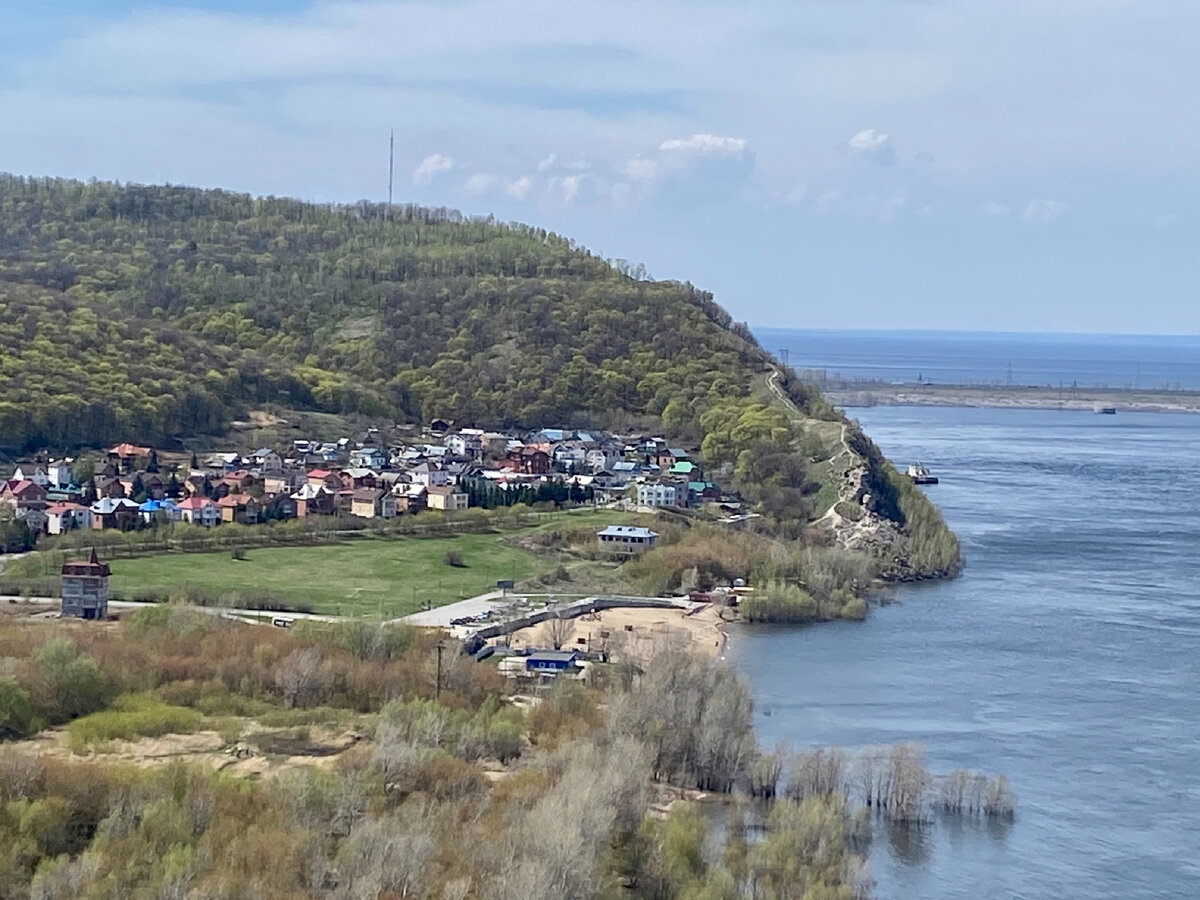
551 661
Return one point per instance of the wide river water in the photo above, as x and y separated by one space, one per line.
1065 657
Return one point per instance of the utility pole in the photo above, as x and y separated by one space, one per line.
391 165
437 690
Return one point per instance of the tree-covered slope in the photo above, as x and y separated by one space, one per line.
132 312
143 313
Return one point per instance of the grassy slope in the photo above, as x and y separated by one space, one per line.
355 578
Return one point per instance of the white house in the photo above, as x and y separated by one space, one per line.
200 511
603 458
368 458
61 473
430 474
63 517
28 473
658 494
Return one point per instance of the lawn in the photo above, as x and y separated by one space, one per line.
361 577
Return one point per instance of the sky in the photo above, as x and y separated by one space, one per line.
1016 165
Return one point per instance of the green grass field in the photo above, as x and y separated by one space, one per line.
362 577
365 577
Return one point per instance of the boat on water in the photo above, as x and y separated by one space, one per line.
920 475
1104 410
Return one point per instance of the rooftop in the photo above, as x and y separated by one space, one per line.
627 531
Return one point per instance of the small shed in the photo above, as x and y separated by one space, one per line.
85 588
551 660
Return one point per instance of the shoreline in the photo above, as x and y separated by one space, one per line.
864 395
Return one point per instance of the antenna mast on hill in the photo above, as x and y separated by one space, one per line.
391 163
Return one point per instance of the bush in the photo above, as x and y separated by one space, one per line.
16 713
454 558
133 716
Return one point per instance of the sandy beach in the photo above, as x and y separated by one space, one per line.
637 632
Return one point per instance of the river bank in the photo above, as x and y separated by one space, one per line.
869 394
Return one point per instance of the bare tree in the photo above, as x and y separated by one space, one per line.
558 630
298 675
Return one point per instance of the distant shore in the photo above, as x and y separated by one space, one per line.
863 394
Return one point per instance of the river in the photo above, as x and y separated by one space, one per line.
1065 657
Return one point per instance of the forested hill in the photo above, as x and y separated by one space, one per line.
133 312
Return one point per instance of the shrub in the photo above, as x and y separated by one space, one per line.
454 558
16 713
133 716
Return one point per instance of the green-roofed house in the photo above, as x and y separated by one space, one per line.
684 467
703 492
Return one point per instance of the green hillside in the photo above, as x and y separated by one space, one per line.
139 313
146 313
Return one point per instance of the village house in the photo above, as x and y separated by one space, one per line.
447 497
429 474
64 517
668 456
283 482
660 493
314 500
324 478
410 498
125 456
108 486
241 509
278 506
626 539
61 473
373 503
267 461
165 510
110 512
36 474
152 484
353 479
531 460
199 511
85 588
368 458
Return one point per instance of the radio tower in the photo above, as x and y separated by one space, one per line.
391 164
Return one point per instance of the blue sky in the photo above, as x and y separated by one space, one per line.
999 164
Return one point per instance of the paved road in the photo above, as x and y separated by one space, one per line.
441 616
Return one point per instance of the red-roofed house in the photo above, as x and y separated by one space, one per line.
199 511
63 517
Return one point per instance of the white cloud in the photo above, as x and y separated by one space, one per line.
873 145
519 188
829 199
432 166
480 183
566 188
1167 220
640 168
798 194
1043 211
994 210
547 162
706 145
